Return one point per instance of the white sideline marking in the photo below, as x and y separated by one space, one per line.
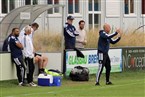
102 87
9 96
38 93
30 94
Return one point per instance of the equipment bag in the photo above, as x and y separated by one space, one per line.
53 72
79 73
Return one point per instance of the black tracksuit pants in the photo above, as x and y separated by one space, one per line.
20 68
104 60
30 69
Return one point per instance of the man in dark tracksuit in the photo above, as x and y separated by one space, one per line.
16 54
70 33
103 47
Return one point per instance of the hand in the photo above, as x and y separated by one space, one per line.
84 42
119 32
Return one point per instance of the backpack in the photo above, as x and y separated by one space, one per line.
6 43
79 73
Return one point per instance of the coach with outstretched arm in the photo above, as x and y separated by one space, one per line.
103 47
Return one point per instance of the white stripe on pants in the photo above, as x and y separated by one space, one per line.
20 69
100 56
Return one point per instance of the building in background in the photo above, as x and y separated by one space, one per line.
126 14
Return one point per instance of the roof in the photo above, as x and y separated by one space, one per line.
12 19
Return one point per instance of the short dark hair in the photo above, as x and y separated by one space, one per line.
81 21
35 25
14 29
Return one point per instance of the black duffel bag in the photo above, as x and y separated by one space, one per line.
79 73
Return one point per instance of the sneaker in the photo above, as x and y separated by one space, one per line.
32 84
108 83
21 84
97 84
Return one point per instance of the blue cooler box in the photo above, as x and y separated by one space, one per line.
45 80
56 80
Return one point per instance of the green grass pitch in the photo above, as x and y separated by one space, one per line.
126 84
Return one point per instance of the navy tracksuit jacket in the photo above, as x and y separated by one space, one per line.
70 34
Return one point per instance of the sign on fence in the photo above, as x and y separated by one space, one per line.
133 58
91 60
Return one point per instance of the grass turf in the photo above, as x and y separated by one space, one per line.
126 84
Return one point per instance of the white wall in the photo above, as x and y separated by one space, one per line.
113 21
54 23
130 24
8 70
54 61
117 17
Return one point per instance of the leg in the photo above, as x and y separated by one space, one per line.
64 62
38 60
29 62
108 69
100 69
42 62
45 61
20 69
31 71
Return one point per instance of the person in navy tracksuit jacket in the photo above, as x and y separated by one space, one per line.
16 55
103 47
70 33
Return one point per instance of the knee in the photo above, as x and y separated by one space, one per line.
36 60
109 68
40 58
45 58
22 67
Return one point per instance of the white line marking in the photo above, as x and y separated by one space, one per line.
29 94
38 93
